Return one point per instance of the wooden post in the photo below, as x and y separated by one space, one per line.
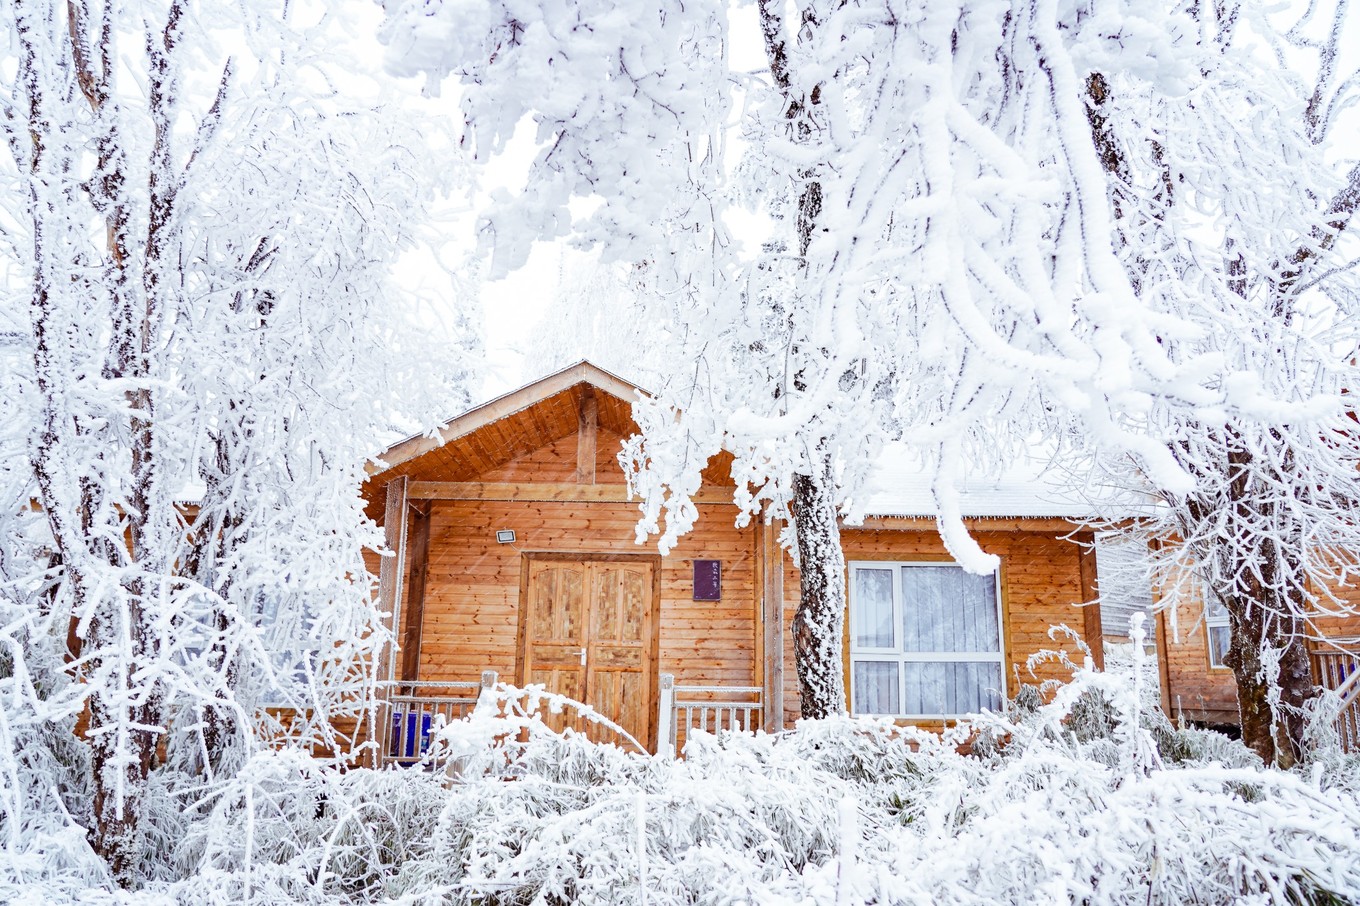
587 427
390 573
665 745
760 665
1093 633
771 583
415 606
1161 640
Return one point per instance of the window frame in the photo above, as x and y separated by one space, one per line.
1214 621
896 655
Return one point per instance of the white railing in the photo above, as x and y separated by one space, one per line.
714 709
1338 669
418 708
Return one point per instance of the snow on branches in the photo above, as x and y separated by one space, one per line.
1233 214
201 245
955 257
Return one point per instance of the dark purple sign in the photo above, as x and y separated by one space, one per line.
708 580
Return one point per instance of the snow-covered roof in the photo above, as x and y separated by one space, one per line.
1031 487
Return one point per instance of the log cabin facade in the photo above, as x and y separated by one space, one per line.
514 551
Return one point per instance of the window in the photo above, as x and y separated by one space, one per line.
925 640
293 655
1216 628
1124 580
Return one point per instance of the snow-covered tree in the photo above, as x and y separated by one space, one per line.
1234 203
201 240
940 255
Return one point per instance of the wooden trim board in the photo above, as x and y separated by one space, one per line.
542 491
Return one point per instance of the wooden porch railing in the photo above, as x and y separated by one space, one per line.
416 710
1338 669
714 709
419 708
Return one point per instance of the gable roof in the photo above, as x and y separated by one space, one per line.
521 421
555 402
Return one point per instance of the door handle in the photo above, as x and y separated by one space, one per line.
583 657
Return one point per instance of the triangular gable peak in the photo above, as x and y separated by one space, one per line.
516 424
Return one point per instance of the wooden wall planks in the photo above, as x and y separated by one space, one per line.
472 595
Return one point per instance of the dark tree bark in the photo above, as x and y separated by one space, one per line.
1253 554
818 624
1263 585
130 535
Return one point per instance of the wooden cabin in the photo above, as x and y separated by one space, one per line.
514 552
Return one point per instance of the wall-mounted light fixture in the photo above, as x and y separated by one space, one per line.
505 536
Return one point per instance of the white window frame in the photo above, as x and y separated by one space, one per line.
896 655
1214 621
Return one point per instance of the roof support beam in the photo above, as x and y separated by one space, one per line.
1093 632
415 605
1053 524
587 426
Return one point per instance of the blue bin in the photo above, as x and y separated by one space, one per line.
406 744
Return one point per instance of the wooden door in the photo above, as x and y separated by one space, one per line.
590 632
555 633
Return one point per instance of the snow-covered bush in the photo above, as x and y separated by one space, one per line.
1089 796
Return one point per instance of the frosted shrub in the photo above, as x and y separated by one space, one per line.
1087 797
291 829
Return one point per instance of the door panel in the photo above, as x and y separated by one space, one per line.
558 614
618 679
606 608
555 624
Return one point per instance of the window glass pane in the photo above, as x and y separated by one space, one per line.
876 687
947 609
1219 639
1213 607
952 687
871 611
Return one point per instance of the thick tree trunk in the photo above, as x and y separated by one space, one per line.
121 764
819 621
1262 582
1274 733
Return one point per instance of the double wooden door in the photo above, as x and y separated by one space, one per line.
588 630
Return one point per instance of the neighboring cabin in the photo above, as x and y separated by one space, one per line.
574 603
1197 687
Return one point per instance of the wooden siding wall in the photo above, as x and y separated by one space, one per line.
1191 687
472 596
1041 584
471 602
1343 627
